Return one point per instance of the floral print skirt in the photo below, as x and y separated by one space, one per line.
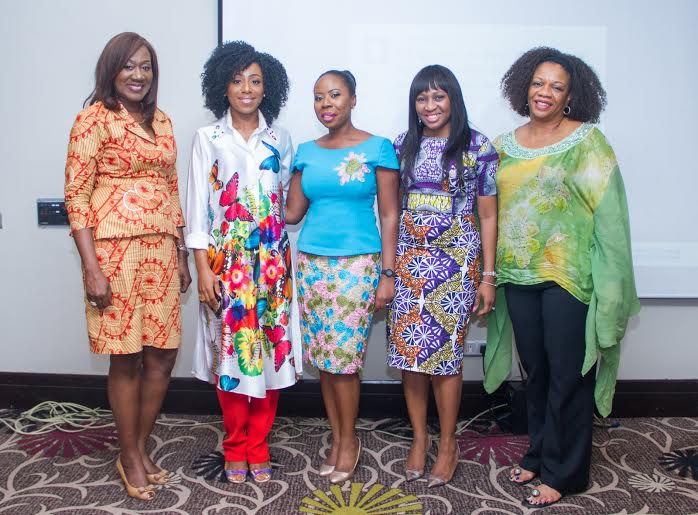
336 297
437 273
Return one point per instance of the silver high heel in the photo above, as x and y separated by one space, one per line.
413 474
436 481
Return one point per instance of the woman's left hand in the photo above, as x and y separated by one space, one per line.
385 291
485 295
183 271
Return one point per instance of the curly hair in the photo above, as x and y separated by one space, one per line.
233 57
587 96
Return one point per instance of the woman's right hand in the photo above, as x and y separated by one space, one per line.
209 289
97 289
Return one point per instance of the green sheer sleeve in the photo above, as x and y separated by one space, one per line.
614 298
498 351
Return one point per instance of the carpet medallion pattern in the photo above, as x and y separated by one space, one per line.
641 466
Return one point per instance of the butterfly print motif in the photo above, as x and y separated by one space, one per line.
227 383
216 183
282 348
272 162
229 198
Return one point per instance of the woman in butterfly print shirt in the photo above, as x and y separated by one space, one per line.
237 178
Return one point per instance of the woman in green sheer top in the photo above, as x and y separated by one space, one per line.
564 264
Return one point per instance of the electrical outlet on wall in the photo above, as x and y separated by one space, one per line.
474 347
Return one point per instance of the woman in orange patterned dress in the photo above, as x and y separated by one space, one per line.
125 217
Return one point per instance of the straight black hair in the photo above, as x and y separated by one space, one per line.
432 77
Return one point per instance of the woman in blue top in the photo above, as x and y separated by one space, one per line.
345 268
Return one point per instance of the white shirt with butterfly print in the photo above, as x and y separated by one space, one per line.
211 191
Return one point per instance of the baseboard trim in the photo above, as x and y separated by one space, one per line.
634 398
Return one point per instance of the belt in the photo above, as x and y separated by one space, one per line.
429 202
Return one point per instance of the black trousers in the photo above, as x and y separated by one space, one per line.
549 328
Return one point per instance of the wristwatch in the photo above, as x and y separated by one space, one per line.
388 272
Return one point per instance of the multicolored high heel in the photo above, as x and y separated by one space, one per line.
236 476
143 493
261 475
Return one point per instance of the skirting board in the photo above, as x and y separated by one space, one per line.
636 398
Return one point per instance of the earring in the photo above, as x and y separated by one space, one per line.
526 109
567 110
419 121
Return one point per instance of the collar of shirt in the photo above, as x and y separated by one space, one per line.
256 135
136 128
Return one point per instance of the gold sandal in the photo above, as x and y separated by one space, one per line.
143 493
159 478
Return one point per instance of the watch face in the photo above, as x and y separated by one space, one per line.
388 272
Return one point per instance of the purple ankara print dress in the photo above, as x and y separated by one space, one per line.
438 257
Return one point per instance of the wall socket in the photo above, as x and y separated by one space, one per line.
474 347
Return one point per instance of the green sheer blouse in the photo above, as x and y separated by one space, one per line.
563 217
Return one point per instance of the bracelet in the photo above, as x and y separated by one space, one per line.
485 282
181 247
491 274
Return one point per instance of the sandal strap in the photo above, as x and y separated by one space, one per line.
240 472
256 472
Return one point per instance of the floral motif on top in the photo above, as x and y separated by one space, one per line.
547 199
352 168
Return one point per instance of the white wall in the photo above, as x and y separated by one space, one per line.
49 52
50 49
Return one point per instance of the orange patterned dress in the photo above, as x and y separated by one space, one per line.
122 183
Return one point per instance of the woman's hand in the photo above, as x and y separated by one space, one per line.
485 295
183 271
97 288
385 291
209 289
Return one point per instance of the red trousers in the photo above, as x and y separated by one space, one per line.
247 422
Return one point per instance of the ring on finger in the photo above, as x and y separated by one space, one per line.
93 303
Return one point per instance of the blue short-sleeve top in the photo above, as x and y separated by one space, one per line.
340 185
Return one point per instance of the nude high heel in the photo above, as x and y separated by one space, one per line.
337 476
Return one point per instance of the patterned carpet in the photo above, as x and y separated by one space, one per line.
642 466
